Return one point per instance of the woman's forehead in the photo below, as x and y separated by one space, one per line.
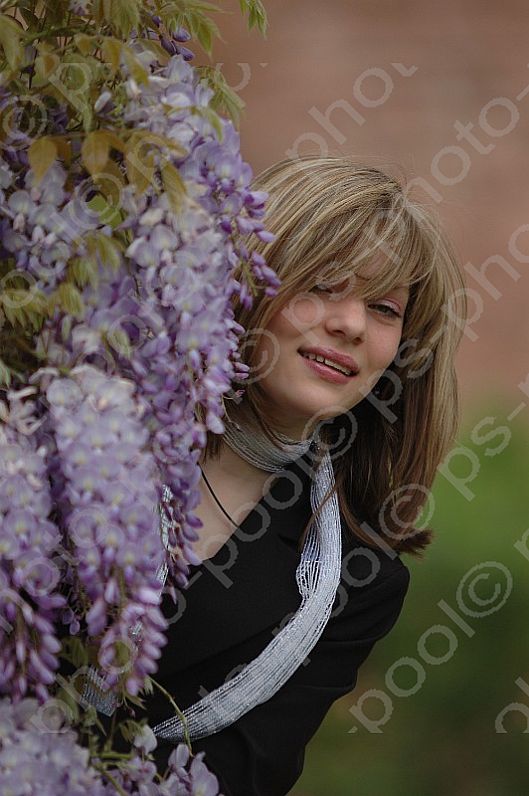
400 286
367 275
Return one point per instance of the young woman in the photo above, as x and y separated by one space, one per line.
315 489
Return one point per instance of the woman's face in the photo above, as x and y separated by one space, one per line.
300 392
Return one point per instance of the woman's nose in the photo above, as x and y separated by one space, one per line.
347 317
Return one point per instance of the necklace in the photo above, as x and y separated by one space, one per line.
217 501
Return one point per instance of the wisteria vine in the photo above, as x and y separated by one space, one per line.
125 213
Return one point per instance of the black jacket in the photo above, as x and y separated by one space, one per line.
235 603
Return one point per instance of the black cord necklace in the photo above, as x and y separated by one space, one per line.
217 501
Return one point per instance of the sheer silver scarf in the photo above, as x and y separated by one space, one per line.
317 578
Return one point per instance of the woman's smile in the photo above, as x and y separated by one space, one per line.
323 371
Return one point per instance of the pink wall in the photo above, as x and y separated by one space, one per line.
410 77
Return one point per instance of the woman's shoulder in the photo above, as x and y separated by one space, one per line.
373 585
365 564
375 558
370 572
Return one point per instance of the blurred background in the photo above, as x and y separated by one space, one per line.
439 92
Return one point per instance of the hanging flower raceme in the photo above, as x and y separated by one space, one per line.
43 226
183 264
40 754
108 508
29 546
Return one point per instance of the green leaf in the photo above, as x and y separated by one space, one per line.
85 44
66 328
91 719
72 81
174 186
122 15
156 48
134 700
95 150
45 64
193 15
36 308
56 11
111 51
224 99
108 202
10 40
105 248
149 139
42 153
69 299
74 651
140 165
65 695
142 161
5 374
205 29
136 68
83 270
64 147
116 141
129 729
214 119
23 307
119 340
31 20
256 14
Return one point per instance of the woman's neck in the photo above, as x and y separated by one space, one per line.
230 465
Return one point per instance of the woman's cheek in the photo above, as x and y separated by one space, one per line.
303 313
385 347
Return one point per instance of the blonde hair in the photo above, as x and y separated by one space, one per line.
331 216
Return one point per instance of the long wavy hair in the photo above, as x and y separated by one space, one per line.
331 216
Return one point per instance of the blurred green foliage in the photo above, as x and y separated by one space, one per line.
441 739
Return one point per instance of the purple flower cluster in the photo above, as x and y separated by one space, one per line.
29 575
122 380
170 292
139 335
172 41
43 227
108 505
79 7
190 779
183 263
40 753
38 758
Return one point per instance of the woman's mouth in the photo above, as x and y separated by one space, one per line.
327 371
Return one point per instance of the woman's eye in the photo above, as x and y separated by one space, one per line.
387 310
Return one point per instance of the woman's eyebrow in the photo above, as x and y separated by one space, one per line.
402 286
